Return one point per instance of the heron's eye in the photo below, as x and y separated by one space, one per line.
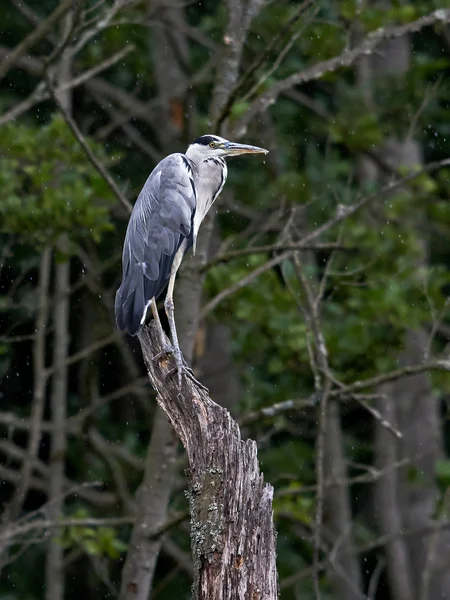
212 144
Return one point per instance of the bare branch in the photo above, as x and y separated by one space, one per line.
85 352
99 25
102 447
39 384
9 535
345 393
97 498
37 34
279 247
346 59
94 160
245 79
41 92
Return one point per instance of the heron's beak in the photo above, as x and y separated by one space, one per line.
234 149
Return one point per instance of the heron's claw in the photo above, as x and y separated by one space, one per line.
180 367
188 372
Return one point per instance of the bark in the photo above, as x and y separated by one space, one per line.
387 502
387 491
232 531
54 574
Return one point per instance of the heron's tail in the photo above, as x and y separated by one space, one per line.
131 302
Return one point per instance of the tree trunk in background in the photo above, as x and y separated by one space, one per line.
410 403
152 500
54 576
388 504
418 417
171 59
54 587
215 364
344 570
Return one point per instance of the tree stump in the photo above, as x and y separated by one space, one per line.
232 531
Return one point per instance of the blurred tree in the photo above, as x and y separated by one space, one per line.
351 206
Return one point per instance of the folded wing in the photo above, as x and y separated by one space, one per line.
161 220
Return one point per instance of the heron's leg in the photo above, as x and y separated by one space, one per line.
170 312
156 317
166 349
180 365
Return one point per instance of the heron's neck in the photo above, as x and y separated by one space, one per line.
198 155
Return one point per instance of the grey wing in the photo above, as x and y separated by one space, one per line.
161 220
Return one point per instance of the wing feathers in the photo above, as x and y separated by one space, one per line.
161 219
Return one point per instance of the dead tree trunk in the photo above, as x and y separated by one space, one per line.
232 531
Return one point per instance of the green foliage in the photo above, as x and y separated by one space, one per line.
391 276
357 130
96 541
48 187
442 471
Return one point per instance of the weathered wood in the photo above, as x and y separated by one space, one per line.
232 531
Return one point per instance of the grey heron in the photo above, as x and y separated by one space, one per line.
164 225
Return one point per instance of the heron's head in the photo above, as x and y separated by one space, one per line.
207 146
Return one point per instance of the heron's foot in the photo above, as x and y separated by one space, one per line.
188 372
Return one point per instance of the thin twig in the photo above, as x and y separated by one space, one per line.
10 535
378 417
345 393
233 254
87 351
375 578
41 93
242 83
75 422
282 54
80 138
39 385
